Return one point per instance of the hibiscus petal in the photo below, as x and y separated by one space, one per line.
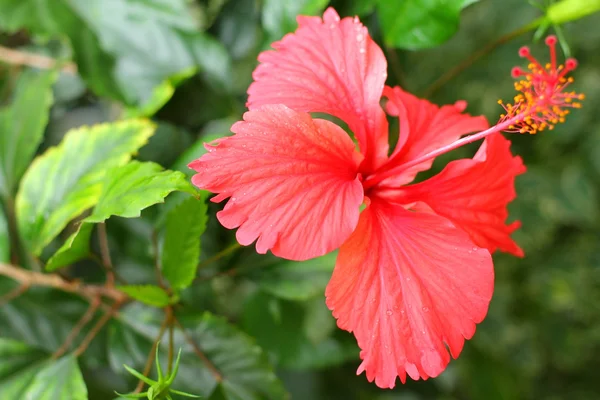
292 182
331 66
408 284
425 127
474 194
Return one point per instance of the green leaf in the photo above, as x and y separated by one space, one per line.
130 188
22 126
362 7
127 50
296 280
18 366
417 24
244 368
4 238
148 294
279 16
67 180
61 379
181 248
298 335
75 248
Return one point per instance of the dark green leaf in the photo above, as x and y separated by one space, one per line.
4 238
279 16
61 379
298 335
417 24
181 249
22 126
148 294
67 180
246 373
296 280
18 366
133 51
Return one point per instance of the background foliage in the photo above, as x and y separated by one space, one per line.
153 80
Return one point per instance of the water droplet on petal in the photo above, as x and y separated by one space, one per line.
425 309
360 37
389 313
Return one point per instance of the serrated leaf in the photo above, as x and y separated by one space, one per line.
181 247
296 280
18 366
126 191
279 16
147 294
67 180
4 238
130 188
417 24
61 379
22 126
75 248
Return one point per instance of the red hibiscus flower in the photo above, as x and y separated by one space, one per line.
414 274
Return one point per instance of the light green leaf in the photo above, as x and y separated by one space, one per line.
148 294
67 180
129 189
4 238
296 280
22 126
18 366
417 24
61 379
181 247
76 247
279 16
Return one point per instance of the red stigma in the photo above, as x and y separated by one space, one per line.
542 101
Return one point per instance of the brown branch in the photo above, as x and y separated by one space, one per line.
33 278
152 354
97 328
216 373
18 57
83 321
105 255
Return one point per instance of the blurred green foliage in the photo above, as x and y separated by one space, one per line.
187 65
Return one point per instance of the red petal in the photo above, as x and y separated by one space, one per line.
331 66
408 284
425 127
474 194
292 181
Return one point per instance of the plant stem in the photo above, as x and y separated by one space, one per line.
152 354
451 74
216 373
83 321
105 255
18 57
97 328
219 255
33 278
13 294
